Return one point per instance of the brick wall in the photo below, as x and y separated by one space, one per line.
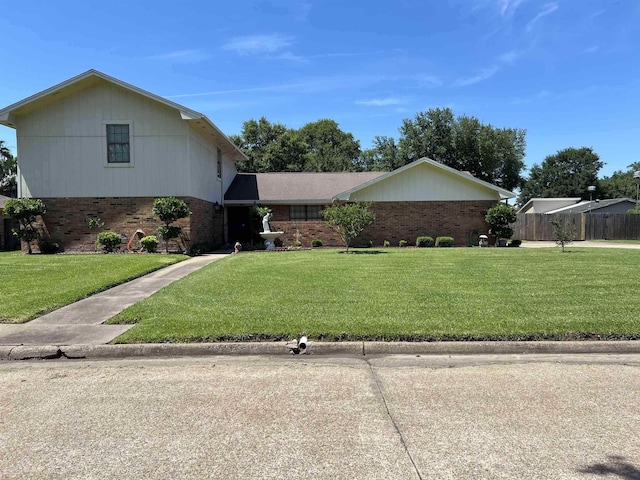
395 221
66 220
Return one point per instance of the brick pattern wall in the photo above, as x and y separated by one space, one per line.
66 220
395 221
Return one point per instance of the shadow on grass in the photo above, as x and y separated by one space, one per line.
363 252
615 465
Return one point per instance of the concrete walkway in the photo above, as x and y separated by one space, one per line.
81 323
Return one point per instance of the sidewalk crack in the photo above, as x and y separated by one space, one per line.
393 421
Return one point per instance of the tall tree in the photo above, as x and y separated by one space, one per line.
384 156
464 143
8 171
256 140
567 173
316 147
620 184
329 149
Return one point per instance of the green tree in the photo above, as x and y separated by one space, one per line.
328 148
465 143
384 156
257 141
500 217
565 232
317 147
349 220
620 184
26 211
567 173
8 172
168 210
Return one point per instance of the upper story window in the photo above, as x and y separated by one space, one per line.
118 145
305 212
219 162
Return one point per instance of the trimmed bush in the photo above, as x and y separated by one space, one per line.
444 242
109 241
424 242
48 246
386 244
515 243
149 243
402 243
316 242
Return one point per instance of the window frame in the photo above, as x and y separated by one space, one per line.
105 125
315 217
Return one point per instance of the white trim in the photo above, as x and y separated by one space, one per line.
105 156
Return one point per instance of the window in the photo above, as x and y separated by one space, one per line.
219 162
118 148
305 212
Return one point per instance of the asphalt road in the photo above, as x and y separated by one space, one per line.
404 417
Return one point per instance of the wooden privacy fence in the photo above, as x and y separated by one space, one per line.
589 226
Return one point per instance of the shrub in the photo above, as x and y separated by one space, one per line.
349 220
316 242
515 243
48 246
499 217
402 243
25 210
424 242
386 244
109 241
297 244
149 243
168 210
444 242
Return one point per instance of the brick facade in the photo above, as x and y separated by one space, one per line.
66 220
395 221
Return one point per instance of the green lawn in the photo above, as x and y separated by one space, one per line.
399 294
31 285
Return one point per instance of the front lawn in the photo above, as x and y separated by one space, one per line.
32 285
398 294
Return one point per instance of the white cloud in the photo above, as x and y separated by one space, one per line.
183 56
485 74
380 102
508 7
509 57
549 8
258 44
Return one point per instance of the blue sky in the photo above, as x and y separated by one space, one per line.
568 71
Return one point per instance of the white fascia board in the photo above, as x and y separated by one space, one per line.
315 201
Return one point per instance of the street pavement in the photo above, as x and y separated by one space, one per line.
386 417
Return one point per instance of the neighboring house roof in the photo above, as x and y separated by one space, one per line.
543 205
504 194
293 187
90 77
322 188
596 205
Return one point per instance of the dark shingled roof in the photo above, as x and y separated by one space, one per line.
288 187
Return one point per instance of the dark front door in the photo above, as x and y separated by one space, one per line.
8 240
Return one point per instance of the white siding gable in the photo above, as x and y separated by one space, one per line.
62 148
424 182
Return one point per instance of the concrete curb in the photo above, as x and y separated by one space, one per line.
315 348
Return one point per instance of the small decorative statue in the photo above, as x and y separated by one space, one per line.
265 223
237 247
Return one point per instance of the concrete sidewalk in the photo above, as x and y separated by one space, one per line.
81 323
